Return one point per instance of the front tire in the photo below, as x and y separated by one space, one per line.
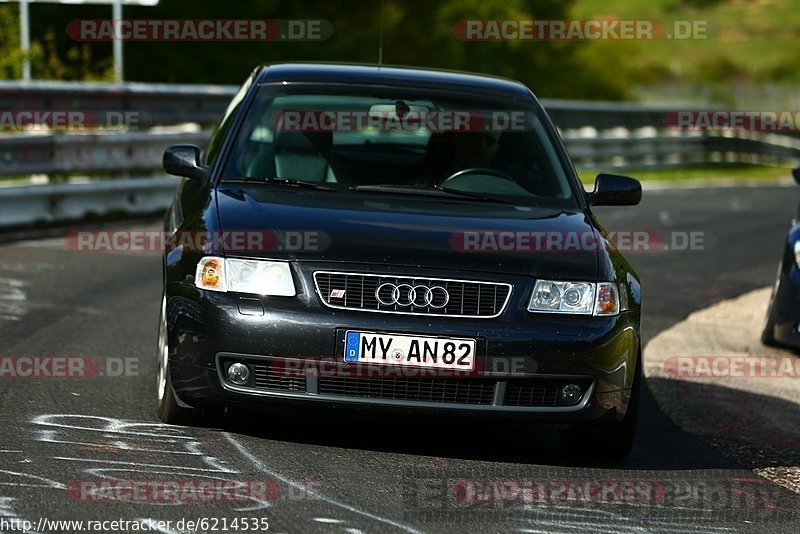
612 443
169 410
768 332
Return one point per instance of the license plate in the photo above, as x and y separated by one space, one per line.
412 351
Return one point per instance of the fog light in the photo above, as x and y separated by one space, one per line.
571 394
238 373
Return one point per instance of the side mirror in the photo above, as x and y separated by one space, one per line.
615 190
796 174
184 160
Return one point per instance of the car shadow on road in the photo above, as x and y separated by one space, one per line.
754 430
659 445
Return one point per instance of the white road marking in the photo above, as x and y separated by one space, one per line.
133 446
49 436
7 512
13 299
153 525
48 482
29 266
137 464
111 425
261 466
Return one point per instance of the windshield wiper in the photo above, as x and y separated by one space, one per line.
290 182
429 190
471 194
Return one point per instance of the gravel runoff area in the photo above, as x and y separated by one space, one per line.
714 378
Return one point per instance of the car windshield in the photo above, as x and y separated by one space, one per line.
400 142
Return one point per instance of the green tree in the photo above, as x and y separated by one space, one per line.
48 59
416 33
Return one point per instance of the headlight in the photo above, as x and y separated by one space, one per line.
259 277
581 298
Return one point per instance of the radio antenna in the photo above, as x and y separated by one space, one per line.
380 44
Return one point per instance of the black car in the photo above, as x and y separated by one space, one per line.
404 241
783 314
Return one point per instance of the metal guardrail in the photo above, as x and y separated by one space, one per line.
89 153
53 203
599 135
157 104
567 114
602 146
664 150
204 104
141 152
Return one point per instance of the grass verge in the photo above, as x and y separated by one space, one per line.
744 173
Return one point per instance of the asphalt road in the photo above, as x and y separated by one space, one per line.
329 474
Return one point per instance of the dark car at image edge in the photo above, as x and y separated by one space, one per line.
384 310
782 323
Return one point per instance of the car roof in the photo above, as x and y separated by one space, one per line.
392 76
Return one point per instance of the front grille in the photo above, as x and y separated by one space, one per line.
541 392
356 291
459 391
531 393
275 377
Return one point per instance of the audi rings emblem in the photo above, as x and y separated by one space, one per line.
419 296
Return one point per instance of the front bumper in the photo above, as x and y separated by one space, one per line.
517 350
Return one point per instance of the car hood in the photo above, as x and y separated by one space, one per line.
425 232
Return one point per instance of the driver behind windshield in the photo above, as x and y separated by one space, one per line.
451 152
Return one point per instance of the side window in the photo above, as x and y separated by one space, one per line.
221 130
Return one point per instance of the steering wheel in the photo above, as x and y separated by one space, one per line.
478 170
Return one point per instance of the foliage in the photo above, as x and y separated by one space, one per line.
420 33
50 58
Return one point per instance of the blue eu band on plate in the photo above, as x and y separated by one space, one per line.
412 351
